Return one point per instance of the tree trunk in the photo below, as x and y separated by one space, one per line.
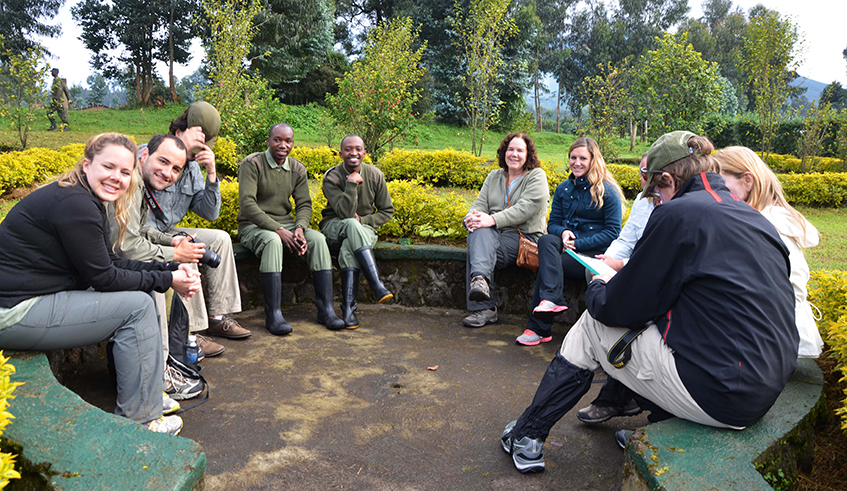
539 127
174 97
633 129
559 109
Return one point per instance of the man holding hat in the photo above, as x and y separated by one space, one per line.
198 127
709 336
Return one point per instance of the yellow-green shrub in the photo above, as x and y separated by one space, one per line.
827 189
226 156
421 212
228 218
22 169
828 291
789 163
319 160
446 167
628 177
7 387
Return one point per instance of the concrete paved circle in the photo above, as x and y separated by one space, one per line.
359 410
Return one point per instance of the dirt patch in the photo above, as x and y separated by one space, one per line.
19 193
829 472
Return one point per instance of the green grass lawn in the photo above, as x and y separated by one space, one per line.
143 123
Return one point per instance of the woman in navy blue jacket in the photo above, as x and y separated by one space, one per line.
586 218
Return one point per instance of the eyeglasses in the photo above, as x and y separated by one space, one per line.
646 173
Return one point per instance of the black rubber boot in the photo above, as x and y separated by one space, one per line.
367 263
323 300
349 290
274 321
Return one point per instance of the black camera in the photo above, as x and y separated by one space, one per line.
210 258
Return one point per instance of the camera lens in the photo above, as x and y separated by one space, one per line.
211 259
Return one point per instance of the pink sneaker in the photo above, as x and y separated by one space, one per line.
546 307
530 338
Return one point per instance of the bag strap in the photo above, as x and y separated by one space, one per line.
509 202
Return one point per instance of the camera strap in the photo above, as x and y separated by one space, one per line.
152 204
621 352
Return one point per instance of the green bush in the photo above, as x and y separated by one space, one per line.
23 169
628 177
828 189
828 291
317 160
420 212
226 156
784 164
228 218
446 167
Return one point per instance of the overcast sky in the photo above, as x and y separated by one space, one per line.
821 24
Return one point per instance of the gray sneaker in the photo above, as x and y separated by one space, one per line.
622 437
479 291
527 453
593 415
481 318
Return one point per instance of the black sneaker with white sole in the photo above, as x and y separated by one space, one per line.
593 415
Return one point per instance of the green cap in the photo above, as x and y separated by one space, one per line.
669 148
204 115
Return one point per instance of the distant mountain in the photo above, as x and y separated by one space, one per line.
548 101
814 87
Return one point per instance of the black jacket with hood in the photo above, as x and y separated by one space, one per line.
712 272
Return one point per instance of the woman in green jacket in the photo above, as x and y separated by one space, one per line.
513 198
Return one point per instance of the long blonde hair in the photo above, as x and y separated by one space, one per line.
598 173
766 190
95 145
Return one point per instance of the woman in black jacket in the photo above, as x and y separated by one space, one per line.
61 286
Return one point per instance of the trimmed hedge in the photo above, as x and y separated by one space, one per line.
419 211
784 164
23 169
828 291
446 167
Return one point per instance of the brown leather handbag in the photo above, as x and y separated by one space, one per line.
527 253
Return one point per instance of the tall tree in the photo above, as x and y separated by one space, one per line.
22 84
483 30
21 21
375 98
770 56
146 31
293 38
719 36
98 89
180 31
679 87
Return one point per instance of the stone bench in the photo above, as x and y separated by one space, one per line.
62 442
418 275
680 455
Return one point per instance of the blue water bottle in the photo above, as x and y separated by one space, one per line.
191 349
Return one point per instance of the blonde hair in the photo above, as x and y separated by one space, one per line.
766 190
598 173
93 147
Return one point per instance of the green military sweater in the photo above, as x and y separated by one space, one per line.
265 189
529 199
370 200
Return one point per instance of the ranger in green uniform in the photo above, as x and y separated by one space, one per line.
357 204
266 182
59 101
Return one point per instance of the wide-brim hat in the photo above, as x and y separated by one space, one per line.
204 115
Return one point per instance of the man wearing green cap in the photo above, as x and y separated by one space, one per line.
198 127
60 98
